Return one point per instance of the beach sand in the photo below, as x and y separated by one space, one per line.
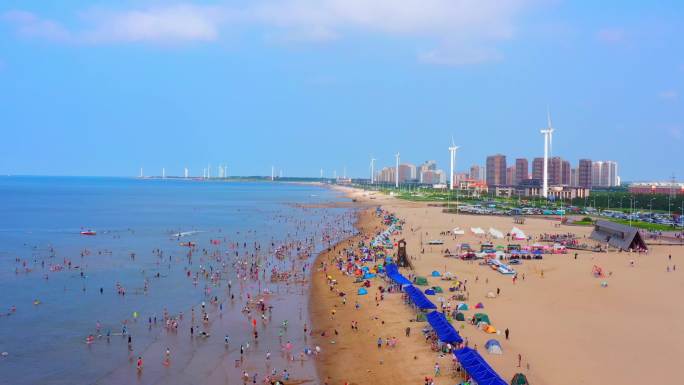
567 328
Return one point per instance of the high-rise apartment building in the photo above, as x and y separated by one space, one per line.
496 170
584 173
510 175
476 172
604 174
538 168
522 171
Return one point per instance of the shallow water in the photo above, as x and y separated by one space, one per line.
40 223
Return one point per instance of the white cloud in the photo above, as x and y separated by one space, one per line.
466 31
30 25
179 23
611 35
669 95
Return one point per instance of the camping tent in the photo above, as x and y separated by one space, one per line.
462 306
495 233
418 298
421 281
493 347
457 231
518 234
436 274
481 317
445 332
429 292
473 364
519 379
479 306
477 230
459 317
362 291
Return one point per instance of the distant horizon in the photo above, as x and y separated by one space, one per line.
107 88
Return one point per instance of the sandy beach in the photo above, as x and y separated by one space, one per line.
564 325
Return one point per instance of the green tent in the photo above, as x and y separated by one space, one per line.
437 289
460 317
422 281
482 317
519 379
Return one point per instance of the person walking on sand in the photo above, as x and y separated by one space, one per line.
379 342
437 370
519 359
506 332
408 331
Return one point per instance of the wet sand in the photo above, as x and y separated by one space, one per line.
566 327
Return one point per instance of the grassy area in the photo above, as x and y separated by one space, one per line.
583 223
644 225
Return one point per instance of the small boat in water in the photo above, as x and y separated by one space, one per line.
88 232
188 244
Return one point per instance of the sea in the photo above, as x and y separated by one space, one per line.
170 246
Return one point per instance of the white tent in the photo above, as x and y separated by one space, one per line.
518 234
495 233
477 231
457 231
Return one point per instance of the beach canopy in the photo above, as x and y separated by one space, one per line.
479 306
436 274
418 298
477 368
493 347
392 272
445 332
481 317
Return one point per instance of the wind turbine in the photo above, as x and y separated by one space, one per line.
396 172
550 128
452 153
547 132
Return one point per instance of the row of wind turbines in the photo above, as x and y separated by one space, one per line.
548 143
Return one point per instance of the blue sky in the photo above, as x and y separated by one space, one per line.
105 87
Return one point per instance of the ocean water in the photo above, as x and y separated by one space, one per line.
63 283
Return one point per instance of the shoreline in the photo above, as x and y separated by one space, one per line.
556 309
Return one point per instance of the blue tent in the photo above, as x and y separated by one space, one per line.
436 274
473 364
445 332
429 292
418 298
363 291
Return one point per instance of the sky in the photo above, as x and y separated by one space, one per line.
107 87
